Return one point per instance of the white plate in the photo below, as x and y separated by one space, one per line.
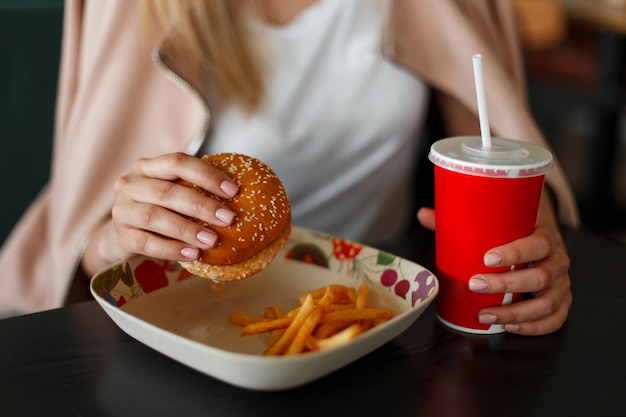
186 317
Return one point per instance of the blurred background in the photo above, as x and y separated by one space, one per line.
575 53
30 34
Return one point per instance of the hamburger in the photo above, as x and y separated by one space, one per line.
262 223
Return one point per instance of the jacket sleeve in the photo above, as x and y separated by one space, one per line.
26 261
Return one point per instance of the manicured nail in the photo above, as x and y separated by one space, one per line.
477 284
487 318
229 187
492 259
511 327
207 238
190 253
225 215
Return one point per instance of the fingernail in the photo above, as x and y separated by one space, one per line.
511 327
225 215
492 259
487 318
477 284
190 253
229 187
207 238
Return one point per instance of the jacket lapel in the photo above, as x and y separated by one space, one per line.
442 54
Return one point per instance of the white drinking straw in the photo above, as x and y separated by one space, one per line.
482 101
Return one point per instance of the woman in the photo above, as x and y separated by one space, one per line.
295 83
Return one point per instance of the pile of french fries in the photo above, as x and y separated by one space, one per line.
327 317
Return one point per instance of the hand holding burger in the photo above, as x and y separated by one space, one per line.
222 216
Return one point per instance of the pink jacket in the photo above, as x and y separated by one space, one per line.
115 105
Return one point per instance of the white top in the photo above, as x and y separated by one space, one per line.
339 126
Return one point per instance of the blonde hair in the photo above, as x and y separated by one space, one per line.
220 35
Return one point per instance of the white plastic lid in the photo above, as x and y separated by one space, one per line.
505 158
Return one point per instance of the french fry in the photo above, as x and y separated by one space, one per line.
275 313
328 329
361 296
327 317
340 292
357 314
311 344
297 345
346 335
270 313
361 302
294 326
242 319
336 307
264 325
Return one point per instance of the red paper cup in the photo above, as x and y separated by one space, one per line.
484 197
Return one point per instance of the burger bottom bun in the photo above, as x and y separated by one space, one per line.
242 269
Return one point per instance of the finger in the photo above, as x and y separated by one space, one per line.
149 244
536 277
181 166
531 317
175 197
536 246
426 217
163 222
545 311
543 326
527 280
524 311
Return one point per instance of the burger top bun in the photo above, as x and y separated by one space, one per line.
262 221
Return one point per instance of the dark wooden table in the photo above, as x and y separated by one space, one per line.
74 361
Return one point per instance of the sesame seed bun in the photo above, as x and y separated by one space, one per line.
262 223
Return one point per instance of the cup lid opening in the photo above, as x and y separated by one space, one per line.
498 151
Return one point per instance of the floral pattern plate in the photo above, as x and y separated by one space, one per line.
186 317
